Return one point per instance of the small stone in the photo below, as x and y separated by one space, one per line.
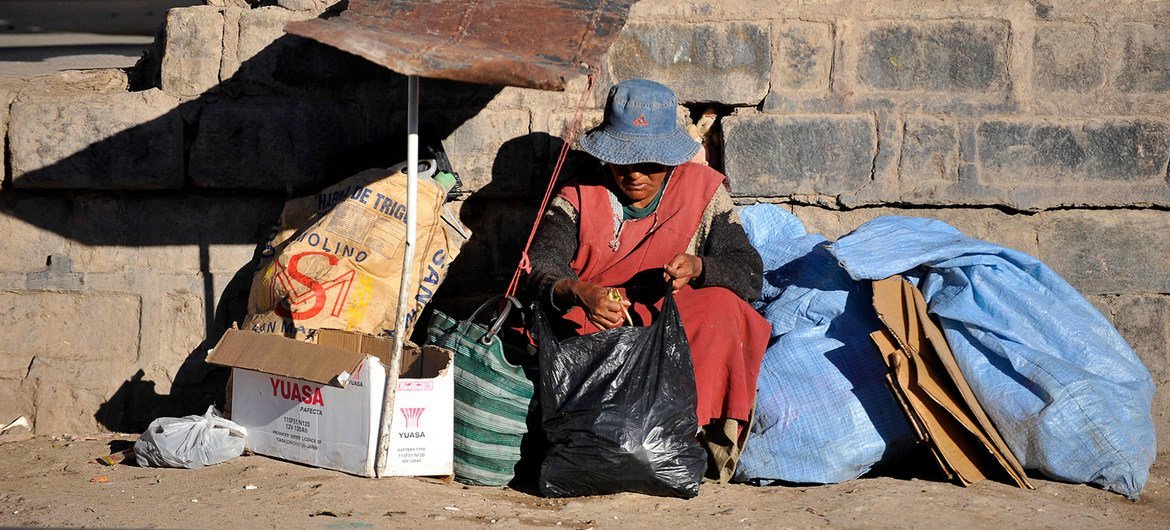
317 6
232 3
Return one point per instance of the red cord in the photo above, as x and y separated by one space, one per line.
525 265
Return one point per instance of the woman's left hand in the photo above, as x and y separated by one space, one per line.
682 269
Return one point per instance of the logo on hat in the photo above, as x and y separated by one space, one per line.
640 121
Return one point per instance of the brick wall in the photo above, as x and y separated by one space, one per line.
133 202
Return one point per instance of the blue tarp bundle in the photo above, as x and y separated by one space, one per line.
1070 397
824 412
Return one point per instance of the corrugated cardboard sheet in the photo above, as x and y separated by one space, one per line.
335 352
277 355
363 343
928 383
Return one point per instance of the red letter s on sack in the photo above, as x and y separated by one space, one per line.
316 290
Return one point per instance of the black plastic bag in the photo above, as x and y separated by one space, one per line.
619 410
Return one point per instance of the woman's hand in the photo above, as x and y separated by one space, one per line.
594 299
682 269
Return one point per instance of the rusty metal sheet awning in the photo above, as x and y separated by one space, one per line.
525 43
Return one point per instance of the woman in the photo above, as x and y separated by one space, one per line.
652 219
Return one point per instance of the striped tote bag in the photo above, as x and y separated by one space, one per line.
492 395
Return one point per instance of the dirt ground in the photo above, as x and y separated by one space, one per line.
51 482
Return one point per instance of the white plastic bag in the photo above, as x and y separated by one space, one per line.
190 442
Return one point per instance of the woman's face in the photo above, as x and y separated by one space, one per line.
639 182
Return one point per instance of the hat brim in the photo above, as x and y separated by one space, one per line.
671 150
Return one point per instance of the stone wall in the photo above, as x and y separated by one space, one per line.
132 202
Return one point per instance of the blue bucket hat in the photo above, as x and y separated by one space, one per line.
640 125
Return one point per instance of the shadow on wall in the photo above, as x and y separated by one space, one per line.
295 118
500 221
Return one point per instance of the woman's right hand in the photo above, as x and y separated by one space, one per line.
594 299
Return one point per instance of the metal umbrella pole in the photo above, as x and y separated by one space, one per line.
404 293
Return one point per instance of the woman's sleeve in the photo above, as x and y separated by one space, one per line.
729 260
553 251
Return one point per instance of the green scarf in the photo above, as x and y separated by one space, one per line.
629 211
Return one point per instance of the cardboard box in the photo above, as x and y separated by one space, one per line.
320 404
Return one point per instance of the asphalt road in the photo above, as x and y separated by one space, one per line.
33 54
113 17
40 37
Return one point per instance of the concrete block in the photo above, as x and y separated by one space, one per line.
803 56
194 46
556 125
1108 251
128 140
474 271
726 62
6 98
930 154
1145 59
1144 321
36 229
937 56
65 395
1065 58
169 235
776 156
229 61
77 327
180 326
1047 152
492 151
499 230
314 6
260 27
230 258
1161 413
280 143
270 59
18 400
1013 231
97 80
